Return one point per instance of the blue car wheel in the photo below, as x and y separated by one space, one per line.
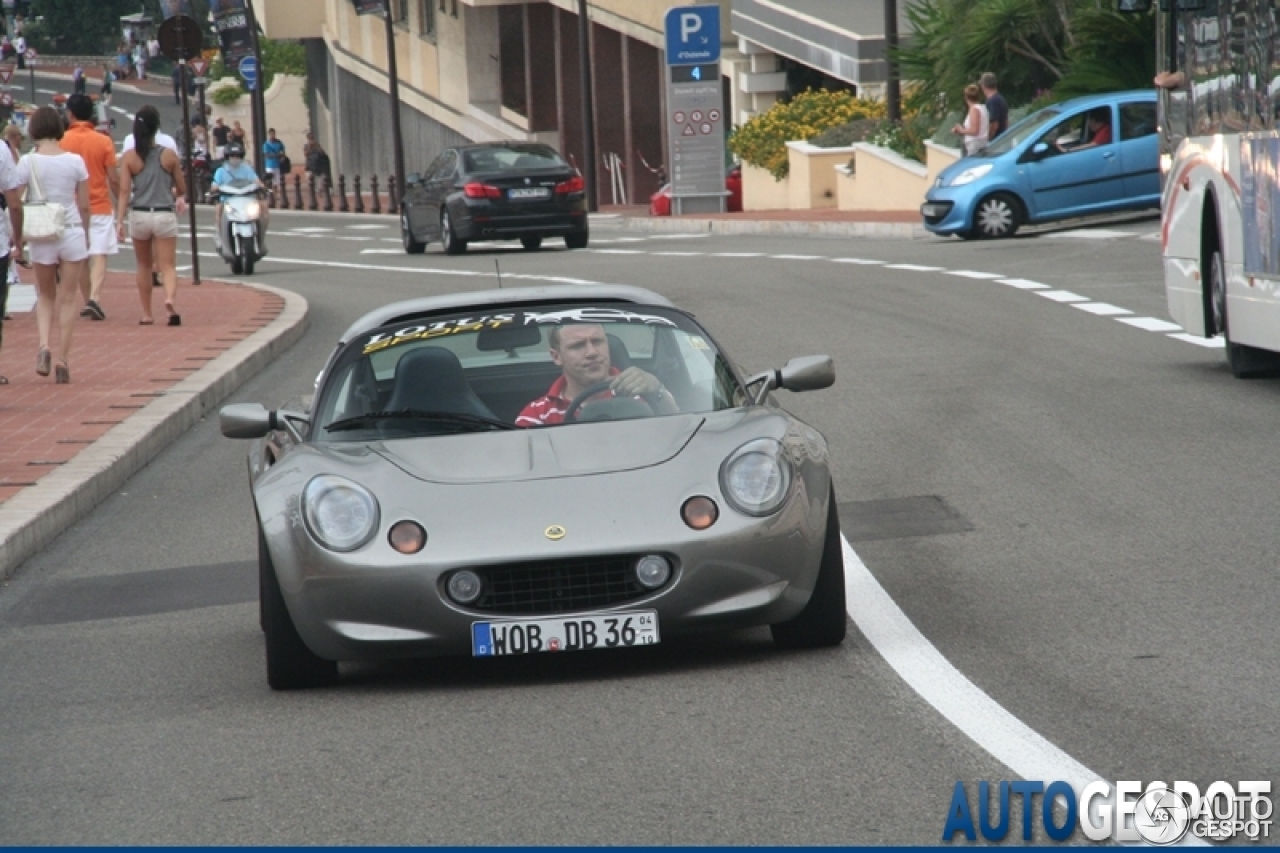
997 215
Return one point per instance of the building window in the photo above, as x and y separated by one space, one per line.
400 8
428 22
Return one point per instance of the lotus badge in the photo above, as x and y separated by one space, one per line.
555 532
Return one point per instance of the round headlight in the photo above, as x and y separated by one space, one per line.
464 586
757 477
652 571
340 514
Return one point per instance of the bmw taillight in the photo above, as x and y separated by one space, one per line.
574 185
475 189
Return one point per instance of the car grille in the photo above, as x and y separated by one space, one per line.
558 586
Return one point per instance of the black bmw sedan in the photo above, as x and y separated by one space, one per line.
494 191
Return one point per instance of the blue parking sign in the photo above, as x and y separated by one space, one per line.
693 35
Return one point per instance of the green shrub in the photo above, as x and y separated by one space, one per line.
225 96
846 134
762 141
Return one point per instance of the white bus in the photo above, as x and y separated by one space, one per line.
1220 155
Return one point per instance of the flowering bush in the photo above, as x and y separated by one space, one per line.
763 140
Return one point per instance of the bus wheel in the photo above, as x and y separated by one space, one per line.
1246 362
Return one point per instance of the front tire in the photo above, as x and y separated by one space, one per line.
577 240
246 256
411 246
448 237
822 622
996 216
1246 362
290 664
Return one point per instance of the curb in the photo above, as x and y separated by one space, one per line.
882 230
37 515
123 87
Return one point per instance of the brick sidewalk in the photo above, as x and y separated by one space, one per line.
117 367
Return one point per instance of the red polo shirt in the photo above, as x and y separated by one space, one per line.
550 409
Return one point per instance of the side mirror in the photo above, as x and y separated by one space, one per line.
808 373
245 420
1039 150
413 179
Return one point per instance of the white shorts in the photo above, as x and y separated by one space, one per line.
102 235
148 224
70 248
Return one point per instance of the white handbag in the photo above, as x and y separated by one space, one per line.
43 221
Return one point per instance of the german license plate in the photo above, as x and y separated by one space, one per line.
568 634
528 193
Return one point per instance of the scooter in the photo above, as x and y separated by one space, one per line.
242 229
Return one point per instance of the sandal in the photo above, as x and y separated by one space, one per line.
61 373
4 380
146 321
43 359
175 319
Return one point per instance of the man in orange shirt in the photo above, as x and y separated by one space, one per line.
99 155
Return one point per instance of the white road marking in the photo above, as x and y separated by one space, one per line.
1093 234
796 257
382 251
1207 343
1023 284
860 261
1151 324
1102 309
616 251
679 254
121 110
736 254
366 227
311 230
678 236
972 274
1062 296
912 267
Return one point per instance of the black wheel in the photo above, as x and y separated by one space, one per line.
998 215
531 244
1246 362
290 664
237 268
822 622
577 240
411 246
448 237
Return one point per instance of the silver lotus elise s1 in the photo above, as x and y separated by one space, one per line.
537 470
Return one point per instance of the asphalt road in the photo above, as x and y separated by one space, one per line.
1075 511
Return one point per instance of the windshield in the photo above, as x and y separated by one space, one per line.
1020 132
481 372
511 158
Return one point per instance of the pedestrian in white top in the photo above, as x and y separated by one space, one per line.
163 139
64 179
976 129
10 228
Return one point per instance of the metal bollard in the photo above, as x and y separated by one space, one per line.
392 195
311 189
297 192
359 197
328 196
343 205
376 206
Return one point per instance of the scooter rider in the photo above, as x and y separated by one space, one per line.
235 171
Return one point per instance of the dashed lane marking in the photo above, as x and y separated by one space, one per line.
912 268
860 261
1150 324
1208 343
1102 309
984 276
796 257
1023 283
1062 296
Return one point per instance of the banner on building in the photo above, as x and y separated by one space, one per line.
231 22
370 7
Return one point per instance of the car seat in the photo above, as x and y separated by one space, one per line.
430 379
619 357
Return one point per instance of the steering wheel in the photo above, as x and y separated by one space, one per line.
626 406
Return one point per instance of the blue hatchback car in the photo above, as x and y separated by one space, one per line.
1095 154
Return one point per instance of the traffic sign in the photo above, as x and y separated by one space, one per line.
180 38
6 100
6 73
31 55
199 65
693 35
249 71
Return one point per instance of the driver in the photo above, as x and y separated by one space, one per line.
582 351
235 171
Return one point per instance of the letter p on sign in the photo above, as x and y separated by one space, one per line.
689 24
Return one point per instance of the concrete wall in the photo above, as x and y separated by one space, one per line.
761 191
881 180
813 176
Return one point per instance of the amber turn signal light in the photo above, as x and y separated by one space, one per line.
407 537
699 512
